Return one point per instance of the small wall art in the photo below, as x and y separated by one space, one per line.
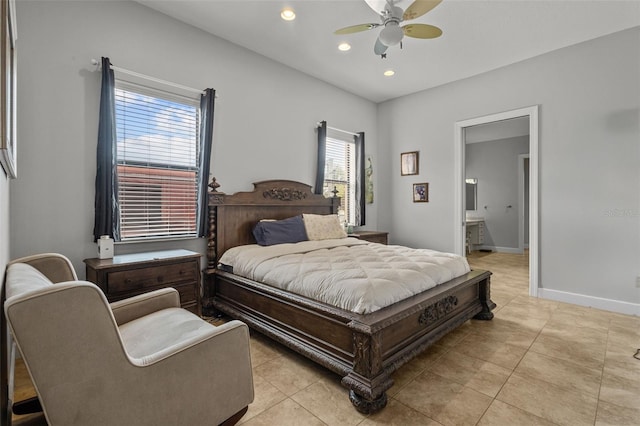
409 163
420 192
368 175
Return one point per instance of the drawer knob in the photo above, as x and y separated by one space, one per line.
160 279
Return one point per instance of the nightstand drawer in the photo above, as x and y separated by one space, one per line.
187 293
382 239
371 236
142 278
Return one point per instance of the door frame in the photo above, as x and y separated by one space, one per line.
521 203
459 167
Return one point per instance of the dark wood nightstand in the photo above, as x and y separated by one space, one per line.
132 274
371 236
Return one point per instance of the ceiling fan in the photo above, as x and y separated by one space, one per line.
391 16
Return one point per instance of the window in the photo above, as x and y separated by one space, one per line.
157 156
340 172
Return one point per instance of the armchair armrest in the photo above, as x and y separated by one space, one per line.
138 306
56 267
213 364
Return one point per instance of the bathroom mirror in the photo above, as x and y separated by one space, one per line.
471 193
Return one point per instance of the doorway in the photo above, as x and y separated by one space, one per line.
460 185
523 201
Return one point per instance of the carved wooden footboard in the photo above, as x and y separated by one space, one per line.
364 349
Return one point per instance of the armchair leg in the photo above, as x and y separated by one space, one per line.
235 418
27 406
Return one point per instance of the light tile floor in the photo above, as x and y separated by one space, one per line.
538 362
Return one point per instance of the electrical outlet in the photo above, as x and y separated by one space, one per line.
637 282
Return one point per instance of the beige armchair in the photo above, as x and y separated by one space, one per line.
139 361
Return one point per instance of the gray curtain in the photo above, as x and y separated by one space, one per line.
322 153
206 137
106 208
360 180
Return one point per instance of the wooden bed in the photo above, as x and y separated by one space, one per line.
364 349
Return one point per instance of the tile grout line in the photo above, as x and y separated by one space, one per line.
604 362
511 374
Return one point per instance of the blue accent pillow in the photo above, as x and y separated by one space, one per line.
291 230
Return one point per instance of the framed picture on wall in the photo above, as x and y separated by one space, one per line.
420 192
8 88
409 163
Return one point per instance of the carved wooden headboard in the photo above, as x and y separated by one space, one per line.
232 217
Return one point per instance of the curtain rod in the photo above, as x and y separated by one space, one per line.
147 77
339 130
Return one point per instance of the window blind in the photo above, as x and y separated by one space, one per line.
340 173
157 162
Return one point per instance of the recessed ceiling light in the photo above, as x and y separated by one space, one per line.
288 14
344 46
389 73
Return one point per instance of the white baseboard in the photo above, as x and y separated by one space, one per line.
590 301
502 249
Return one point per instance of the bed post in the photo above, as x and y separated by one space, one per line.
367 381
214 197
485 301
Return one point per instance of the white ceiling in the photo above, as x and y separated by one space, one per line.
479 36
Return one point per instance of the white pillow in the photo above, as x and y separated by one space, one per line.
323 227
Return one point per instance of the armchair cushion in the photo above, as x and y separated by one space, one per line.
25 279
147 337
143 304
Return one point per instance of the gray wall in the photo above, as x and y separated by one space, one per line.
589 97
264 119
495 165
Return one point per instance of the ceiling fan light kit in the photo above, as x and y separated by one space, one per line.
392 33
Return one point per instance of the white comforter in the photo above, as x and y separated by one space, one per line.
348 273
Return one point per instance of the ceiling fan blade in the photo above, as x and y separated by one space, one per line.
356 28
419 8
379 48
421 31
